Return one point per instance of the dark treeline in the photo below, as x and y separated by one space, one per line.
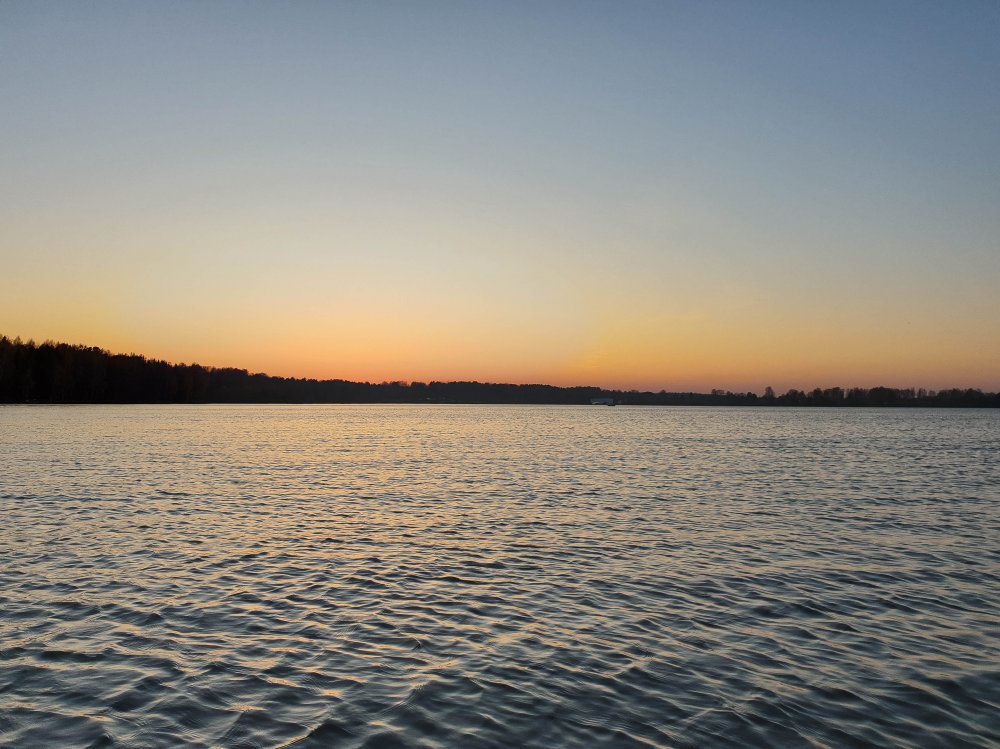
64 373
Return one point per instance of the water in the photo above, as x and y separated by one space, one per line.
465 576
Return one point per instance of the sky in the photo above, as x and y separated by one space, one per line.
652 195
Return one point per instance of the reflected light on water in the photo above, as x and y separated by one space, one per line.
498 576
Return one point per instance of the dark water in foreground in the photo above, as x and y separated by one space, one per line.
519 576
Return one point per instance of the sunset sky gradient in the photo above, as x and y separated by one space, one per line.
641 194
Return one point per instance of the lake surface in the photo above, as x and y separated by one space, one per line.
471 576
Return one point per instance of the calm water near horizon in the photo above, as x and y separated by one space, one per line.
514 576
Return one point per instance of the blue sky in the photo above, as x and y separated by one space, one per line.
629 194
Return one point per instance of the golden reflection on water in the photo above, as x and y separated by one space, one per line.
484 576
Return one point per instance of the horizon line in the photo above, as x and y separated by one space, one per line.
720 392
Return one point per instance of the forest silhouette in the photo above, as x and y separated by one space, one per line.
65 373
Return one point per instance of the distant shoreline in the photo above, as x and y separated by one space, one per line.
61 373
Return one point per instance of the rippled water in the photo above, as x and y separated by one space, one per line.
464 576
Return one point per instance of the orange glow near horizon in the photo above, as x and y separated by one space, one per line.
482 317
686 355
474 319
